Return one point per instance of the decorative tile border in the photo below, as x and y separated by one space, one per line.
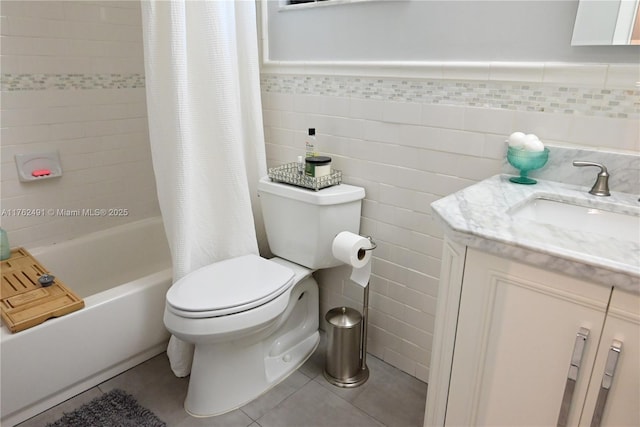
549 98
26 82
563 99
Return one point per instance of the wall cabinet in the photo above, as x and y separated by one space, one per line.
531 344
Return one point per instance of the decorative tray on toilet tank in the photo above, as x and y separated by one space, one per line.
288 173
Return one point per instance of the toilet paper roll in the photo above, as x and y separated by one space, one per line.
350 249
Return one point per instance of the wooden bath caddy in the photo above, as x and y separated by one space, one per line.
25 302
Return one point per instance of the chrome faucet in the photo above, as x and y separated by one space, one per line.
601 186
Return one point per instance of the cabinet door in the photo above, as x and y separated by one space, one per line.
620 339
516 334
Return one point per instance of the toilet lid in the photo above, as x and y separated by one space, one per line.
230 286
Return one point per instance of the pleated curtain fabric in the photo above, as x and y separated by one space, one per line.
205 127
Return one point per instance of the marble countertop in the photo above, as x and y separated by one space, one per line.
479 216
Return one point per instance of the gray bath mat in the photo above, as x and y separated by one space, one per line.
113 409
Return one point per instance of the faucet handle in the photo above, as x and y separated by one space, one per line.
601 186
603 168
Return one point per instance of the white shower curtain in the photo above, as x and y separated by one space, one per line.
205 127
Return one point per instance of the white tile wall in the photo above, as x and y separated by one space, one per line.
80 37
73 81
410 142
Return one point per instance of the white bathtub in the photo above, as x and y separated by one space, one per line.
123 275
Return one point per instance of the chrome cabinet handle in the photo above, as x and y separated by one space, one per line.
572 376
607 380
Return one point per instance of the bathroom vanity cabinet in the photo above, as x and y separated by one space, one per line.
533 314
519 330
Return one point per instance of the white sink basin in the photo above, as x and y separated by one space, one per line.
616 225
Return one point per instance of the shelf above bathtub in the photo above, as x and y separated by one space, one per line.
25 302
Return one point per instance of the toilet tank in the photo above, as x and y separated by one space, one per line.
301 224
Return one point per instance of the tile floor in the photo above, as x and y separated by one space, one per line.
305 399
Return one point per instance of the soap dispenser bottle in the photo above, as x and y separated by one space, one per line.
5 250
310 143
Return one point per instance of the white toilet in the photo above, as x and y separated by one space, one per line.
254 321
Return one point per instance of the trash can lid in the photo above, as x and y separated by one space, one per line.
343 317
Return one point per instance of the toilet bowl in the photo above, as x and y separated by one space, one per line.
245 341
253 320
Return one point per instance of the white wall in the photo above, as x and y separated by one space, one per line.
73 81
411 134
434 30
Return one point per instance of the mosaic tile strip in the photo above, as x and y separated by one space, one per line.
23 82
613 103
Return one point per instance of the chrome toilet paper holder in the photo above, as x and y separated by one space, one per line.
365 317
363 375
373 244
363 251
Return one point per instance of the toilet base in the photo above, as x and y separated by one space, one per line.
227 375
237 394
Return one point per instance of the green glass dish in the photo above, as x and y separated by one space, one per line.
526 161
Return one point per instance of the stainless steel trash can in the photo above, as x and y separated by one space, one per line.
344 366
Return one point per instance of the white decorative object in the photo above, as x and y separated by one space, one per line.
516 140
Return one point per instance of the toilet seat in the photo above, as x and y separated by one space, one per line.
228 287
